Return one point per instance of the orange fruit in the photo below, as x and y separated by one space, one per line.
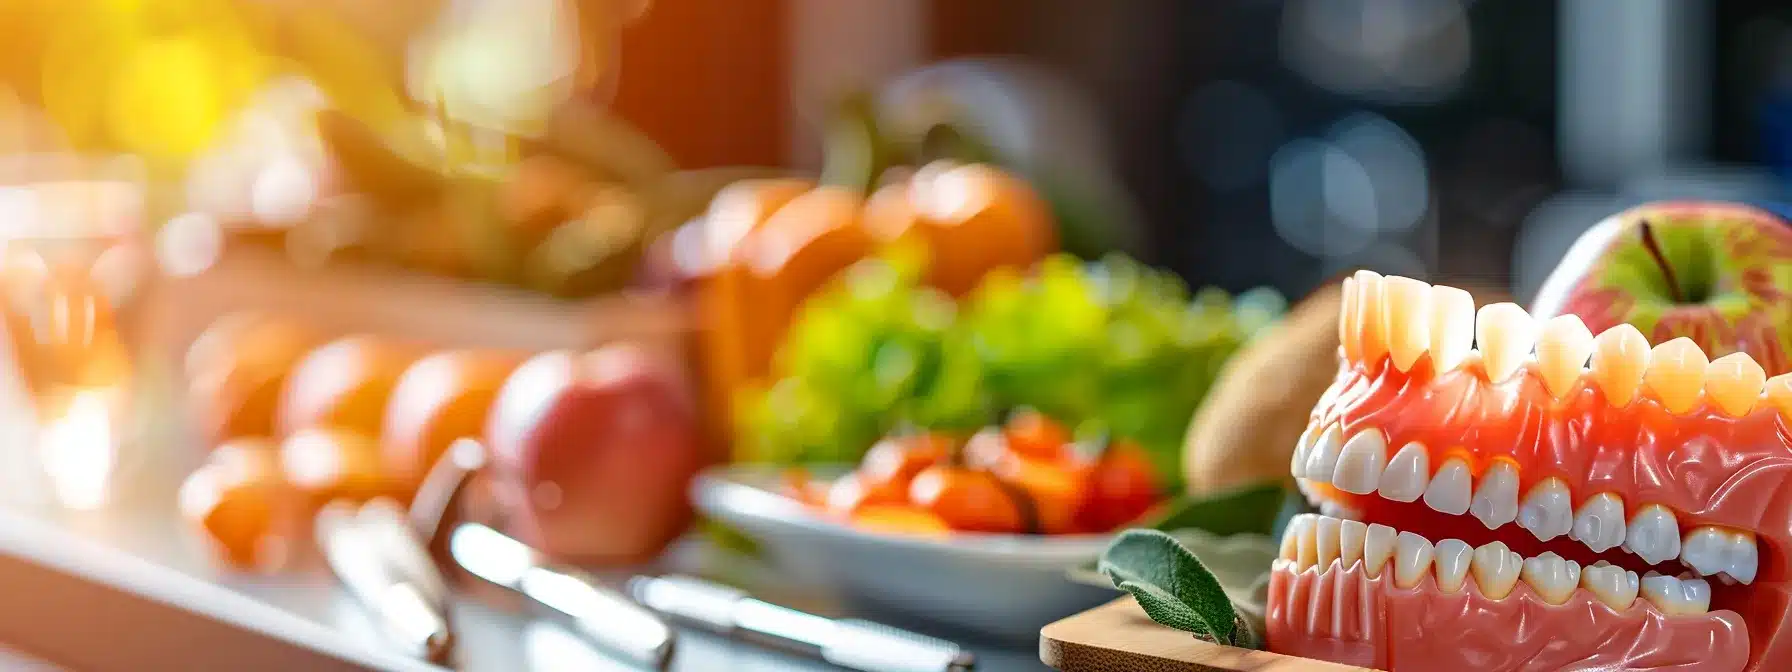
346 383
236 370
238 499
325 464
441 398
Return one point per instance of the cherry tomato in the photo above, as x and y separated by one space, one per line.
852 492
1033 435
1056 490
1120 487
972 500
896 459
987 449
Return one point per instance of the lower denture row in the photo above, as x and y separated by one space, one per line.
1652 532
1324 543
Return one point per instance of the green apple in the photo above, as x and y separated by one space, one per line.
1717 273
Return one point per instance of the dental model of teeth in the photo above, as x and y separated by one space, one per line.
1577 463
1315 541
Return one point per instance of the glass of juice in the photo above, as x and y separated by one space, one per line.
70 257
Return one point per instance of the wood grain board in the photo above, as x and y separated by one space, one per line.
1118 636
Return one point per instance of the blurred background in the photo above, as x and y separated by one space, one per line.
236 230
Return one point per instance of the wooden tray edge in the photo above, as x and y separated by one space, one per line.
1119 636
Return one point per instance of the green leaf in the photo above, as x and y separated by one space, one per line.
1173 587
1249 509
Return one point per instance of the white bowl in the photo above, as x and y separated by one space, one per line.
1002 586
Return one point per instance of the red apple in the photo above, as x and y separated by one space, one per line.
1717 273
592 453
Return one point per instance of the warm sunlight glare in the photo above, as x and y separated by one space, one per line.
78 453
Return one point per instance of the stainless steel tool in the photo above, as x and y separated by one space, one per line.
409 602
602 615
855 644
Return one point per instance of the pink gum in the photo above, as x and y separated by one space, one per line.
1344 616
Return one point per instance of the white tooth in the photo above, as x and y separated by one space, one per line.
1412 559
1404 479
1745 558
1710 549
1505 333
1324 458
1702 549
1452 326
1303 450
1496 570
1325 536
1449 489
1677 597
1599 523
1291 539
1351 535
1553 578
1337 510
1547 510
1406 319
1301 528
1369 305
1653 534
1454 558
1378 547
1360 463
1562 352
1496 497
1614 586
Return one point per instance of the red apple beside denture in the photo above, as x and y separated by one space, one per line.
1502 494
592 453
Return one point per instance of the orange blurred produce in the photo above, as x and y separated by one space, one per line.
346 383
897 459
1032 435
239 500
1120 487
900 519
1056 490
767 244
328 463
236 370
852 492
972 501
441 398
972 218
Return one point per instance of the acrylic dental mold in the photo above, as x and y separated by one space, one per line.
1507 494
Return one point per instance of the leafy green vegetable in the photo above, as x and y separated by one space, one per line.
1111 346
1245 510
1173 587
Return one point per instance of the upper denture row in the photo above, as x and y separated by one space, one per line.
1399 321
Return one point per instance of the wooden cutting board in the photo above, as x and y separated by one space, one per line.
1118 636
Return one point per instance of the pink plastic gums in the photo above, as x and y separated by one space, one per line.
1343 615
